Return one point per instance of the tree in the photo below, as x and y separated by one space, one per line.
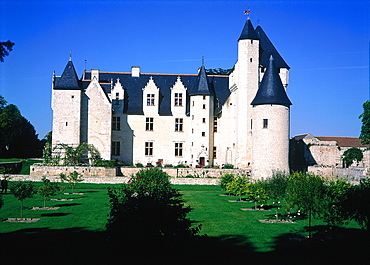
238 186
225 179
148 209
47 189
218 71
257 193
5 48
351 155
356 204
18 137
365 119
22 191
72 178
337 192
276 189
307 192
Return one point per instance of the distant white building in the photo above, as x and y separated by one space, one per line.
196 120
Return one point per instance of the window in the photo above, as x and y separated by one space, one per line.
204 106
214 152
265 123
116 148
251 124
178 99
178 125
149 148
204 120
150 99
117 96
116 123
149 124
203 134
204 97
178 149
215 124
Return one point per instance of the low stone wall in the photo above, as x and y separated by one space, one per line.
351 173
117 180
40 170
84 171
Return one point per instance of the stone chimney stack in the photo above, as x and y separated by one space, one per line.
135 71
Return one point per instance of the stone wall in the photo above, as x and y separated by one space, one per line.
326 171
39 170
84 171
117 180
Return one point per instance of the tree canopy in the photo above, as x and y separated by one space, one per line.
365 119
351 155
5 48
18 137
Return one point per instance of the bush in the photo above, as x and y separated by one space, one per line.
228 166
148 209
225 179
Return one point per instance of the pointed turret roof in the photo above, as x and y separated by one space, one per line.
271 89
269 49
202 87
69 78
248 31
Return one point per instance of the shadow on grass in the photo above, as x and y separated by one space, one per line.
80 246
326 246
54 214
67 204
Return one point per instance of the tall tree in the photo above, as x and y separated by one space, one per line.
365 119
5 48
351 155
18 137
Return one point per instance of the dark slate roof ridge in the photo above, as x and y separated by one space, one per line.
68 79
268 50
271 89
248 31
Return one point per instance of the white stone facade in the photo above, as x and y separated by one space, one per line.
176 119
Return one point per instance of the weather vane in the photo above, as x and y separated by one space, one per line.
247 12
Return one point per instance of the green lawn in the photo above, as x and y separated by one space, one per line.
77 228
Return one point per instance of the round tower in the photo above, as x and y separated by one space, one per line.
270 126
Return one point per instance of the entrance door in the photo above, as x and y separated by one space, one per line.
202 161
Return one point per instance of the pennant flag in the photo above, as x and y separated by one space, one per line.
247 12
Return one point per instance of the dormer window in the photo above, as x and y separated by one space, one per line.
178 99
150 99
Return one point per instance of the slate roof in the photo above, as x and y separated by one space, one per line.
248 32
69 78
217 86
344 141
269 49
271 89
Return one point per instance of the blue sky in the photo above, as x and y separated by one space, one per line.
326 44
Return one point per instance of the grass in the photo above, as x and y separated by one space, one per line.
78 228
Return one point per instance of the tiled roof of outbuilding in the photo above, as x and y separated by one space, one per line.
343 141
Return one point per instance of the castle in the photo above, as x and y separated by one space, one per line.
197 120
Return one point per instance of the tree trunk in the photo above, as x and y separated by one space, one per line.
21 209
309 222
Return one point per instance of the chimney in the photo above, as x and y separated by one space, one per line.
95 73
135 71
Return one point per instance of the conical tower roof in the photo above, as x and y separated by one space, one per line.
248 31
202 87
69 78
271 89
